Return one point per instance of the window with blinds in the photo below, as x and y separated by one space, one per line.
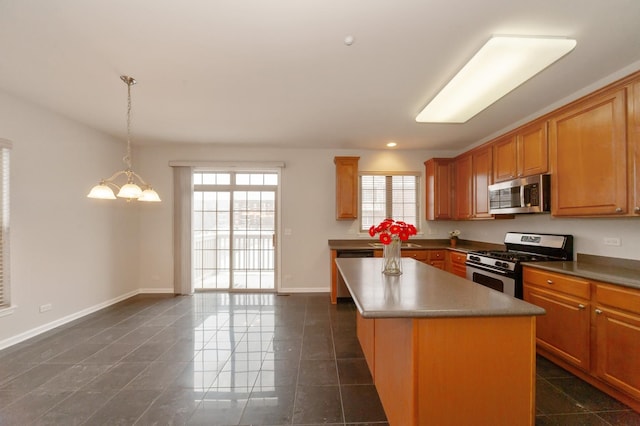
388 196
5 148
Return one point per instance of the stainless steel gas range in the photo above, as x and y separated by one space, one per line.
502 270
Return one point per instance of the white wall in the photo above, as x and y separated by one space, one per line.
308 206
588 233
66 250
308 210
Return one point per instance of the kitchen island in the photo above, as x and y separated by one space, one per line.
443 350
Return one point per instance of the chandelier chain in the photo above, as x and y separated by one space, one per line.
127 158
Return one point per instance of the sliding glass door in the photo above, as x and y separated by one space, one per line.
234 230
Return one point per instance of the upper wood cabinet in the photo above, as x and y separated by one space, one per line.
588 157
346 187
439 174
482 178
505 158
521 153
473 175
463 187
634 148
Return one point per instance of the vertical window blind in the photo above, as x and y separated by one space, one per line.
5 148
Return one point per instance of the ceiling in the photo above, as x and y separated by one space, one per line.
277 73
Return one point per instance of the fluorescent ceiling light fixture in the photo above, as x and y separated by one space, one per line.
503 63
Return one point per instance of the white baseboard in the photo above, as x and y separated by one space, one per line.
156 291
64 320
304 290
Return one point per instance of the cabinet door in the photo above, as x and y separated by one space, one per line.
439 179
588 157
346 187
464 188
505 155
482 178
565 328
618 349
634 149
533 153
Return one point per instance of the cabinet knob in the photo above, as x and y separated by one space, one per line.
618 210
549 282
637 209
581 306
598 311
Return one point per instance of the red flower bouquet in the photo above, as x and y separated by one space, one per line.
389 228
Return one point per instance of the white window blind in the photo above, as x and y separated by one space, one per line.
5 148
388 196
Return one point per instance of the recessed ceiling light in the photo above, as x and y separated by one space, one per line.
392 144
500 66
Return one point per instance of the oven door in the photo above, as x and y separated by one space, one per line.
492 279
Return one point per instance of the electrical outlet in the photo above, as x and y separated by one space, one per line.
611 241
45 308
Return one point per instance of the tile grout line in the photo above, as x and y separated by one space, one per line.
295 392
335 360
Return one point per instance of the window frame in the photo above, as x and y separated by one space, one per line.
389 203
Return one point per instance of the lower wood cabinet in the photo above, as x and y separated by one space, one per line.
617 334
456 263
590 328
563 313
452 371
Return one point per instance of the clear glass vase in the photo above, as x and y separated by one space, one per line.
392 259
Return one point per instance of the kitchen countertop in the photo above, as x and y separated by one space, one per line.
423 291
414 244
609 270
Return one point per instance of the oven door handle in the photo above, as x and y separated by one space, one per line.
488 268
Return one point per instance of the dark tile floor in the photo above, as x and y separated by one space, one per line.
221 359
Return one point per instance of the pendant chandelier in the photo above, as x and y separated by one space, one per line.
131 190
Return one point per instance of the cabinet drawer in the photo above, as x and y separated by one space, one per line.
421 255
437 264
618 297
436 254
562 283
458 257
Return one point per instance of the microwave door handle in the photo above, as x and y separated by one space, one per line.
522 188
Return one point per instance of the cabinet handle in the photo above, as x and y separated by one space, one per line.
618 210
581 306
549 282
598 311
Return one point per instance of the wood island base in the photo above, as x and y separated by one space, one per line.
452 371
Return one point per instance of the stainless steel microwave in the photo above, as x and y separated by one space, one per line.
525 195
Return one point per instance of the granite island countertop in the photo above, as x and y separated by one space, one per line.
423 291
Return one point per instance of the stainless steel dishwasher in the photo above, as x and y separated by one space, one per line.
342 290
